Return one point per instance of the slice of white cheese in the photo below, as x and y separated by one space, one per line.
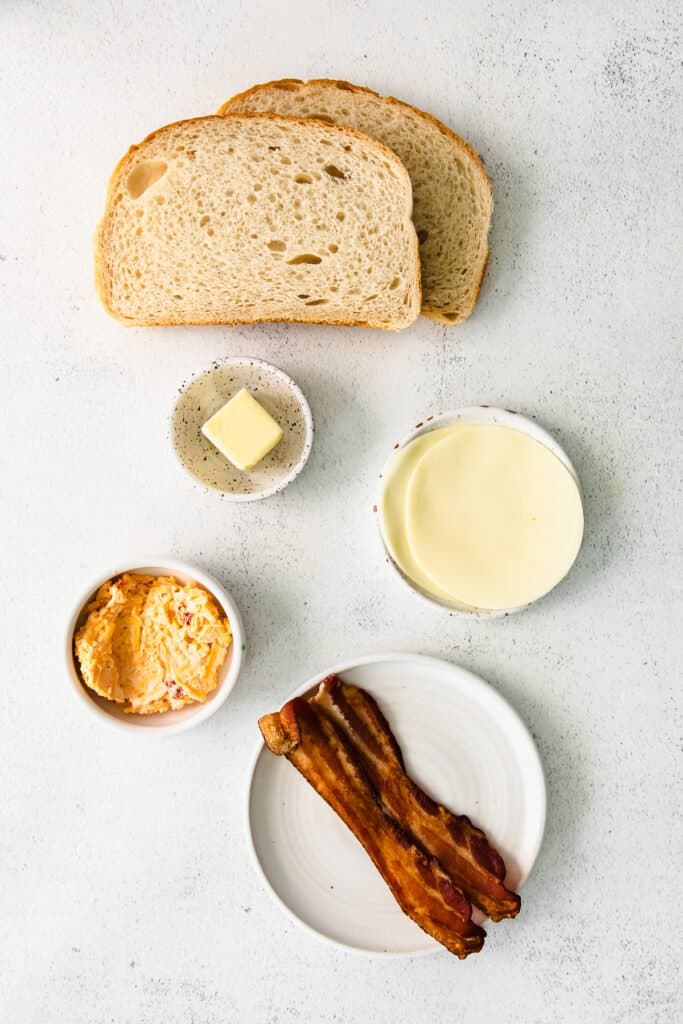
392 509
492 517
243 431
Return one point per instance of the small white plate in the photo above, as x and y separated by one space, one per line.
461 741
473 414
207 392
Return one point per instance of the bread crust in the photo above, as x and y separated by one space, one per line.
100 269
457 140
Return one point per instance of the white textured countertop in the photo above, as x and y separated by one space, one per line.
126 892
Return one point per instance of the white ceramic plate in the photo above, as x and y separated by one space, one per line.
461 741
473 414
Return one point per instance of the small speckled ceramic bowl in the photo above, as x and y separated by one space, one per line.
169 722
206 393
475 414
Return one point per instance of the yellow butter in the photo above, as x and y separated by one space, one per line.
243 431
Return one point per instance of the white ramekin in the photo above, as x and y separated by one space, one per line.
169 722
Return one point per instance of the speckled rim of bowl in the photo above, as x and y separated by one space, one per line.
470 414
169 722
268 492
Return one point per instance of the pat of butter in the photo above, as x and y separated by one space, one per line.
243 431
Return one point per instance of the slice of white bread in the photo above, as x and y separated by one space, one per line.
451 192
225 220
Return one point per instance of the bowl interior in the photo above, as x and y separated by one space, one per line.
168 719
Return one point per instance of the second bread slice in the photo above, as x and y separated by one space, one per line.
451 191
249 218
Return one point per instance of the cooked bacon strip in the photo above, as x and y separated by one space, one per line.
315 745
463 849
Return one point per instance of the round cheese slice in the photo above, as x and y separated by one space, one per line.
392 509
492 517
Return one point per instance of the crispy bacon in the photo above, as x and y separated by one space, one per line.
462 849
317 747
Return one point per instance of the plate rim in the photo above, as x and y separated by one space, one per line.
478 683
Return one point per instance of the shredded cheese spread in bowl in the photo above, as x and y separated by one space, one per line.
152 643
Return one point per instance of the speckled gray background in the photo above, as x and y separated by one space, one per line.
127 894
